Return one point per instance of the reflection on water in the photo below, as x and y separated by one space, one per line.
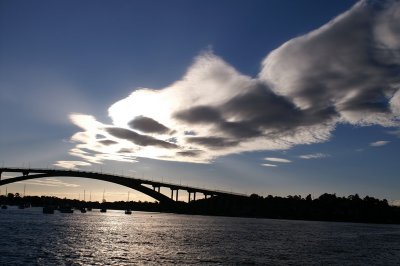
30 237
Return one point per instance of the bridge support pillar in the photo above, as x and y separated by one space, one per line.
194 196
189 196
177 194
158 189
172 194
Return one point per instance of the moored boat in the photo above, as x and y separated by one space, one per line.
128 211
66 210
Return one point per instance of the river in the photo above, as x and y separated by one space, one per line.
29 237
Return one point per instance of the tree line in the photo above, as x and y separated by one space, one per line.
327 207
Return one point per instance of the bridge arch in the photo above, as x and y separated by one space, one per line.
123 181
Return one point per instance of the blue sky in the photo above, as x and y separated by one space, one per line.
249 96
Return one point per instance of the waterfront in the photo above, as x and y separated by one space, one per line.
30 237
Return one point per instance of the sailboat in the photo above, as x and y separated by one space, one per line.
22 205
83 209
128 211
103 208
89 208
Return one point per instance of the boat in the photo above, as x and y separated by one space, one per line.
103 208
66 210
83 210
128 211
89 209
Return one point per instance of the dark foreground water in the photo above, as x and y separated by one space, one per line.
28 237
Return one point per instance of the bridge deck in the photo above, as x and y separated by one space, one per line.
90 174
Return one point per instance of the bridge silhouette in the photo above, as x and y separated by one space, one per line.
148 187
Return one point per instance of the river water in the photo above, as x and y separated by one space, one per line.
29 237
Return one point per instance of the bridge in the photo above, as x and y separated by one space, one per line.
148 187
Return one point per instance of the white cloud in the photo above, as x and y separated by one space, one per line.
314 156
242 115
349 66
269 165
278 160
379 143
71 164
344 72
395 132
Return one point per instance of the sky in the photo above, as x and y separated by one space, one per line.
268 97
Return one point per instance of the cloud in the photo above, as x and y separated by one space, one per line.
71 164
107 142
350 66
147 125
50 182
269 165
278 160
379 143
347 71
395 132
138 139
314 156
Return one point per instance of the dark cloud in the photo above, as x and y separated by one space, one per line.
138 139
199 114
213 142
148 125
255 113
125 150
257 110
190 153
107 142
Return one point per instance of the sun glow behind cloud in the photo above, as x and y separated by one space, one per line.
304 89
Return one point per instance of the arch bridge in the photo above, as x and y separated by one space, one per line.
142 185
